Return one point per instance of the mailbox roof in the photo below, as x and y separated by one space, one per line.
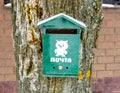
72 20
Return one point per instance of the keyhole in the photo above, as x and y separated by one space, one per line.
60 67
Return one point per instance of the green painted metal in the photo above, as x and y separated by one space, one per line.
60 55
60 45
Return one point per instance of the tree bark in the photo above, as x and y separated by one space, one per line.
27 43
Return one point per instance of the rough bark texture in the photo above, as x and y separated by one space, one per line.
26 37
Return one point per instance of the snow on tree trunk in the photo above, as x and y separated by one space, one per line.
27 43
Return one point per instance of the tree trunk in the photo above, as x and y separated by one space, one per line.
27 40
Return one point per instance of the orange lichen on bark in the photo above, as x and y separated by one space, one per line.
80 75
32 36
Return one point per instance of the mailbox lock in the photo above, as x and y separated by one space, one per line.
60 67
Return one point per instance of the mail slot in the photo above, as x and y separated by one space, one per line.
60 45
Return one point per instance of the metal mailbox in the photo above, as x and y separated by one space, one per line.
60 45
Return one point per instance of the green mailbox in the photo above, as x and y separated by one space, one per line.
60 45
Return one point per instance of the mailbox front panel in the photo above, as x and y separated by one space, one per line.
60 55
